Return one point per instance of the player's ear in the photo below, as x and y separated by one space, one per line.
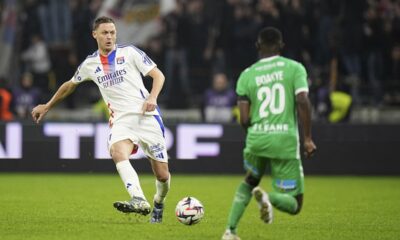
94 34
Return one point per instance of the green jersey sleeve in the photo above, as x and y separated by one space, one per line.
300 79
241 86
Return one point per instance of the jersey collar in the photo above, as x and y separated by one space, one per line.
115 48
269 58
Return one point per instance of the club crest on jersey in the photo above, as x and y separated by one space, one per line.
120 60
98 69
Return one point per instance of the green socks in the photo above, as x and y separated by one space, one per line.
283 202
240 202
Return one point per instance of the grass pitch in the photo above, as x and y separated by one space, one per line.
79 206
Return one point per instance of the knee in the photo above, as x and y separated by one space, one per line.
299 199
163 176
298 210
117 155
252 181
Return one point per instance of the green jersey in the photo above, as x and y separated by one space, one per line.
271 85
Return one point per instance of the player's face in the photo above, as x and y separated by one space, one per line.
105 35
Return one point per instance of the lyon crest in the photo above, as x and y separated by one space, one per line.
120 60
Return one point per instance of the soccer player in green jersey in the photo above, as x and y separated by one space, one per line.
269 93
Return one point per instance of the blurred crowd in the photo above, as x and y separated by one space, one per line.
351 50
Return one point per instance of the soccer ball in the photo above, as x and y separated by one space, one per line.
189 211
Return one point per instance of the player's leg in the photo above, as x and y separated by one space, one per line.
288 185
153 144
163 182
240 202
299 199
120 152
255 167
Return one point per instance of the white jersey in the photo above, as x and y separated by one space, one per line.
118 77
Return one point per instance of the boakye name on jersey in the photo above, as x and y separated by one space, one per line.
271 85
268 78
123 93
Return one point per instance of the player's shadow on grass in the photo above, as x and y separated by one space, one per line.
128 218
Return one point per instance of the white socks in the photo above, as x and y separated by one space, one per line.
130 179
131 182
162 189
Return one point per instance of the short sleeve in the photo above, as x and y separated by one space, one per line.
81 74
300 79
142 61
241 86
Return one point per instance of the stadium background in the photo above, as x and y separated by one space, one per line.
351 50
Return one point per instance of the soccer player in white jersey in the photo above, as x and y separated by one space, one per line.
134 116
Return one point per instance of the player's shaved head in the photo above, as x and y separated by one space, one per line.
269 41
101 20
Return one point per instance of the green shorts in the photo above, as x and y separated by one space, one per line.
287 175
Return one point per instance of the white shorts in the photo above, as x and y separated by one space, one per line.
147 131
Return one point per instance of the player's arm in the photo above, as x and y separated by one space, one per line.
244 109
63 91
304 110
158 81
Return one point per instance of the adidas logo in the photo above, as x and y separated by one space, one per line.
98 69
160 156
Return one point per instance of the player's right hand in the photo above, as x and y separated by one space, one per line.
309 148
149 105
38 112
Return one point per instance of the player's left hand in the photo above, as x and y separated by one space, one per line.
309 148
149 105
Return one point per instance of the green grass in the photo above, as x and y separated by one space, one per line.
79 206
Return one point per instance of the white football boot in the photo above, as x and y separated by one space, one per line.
228 235
266 211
